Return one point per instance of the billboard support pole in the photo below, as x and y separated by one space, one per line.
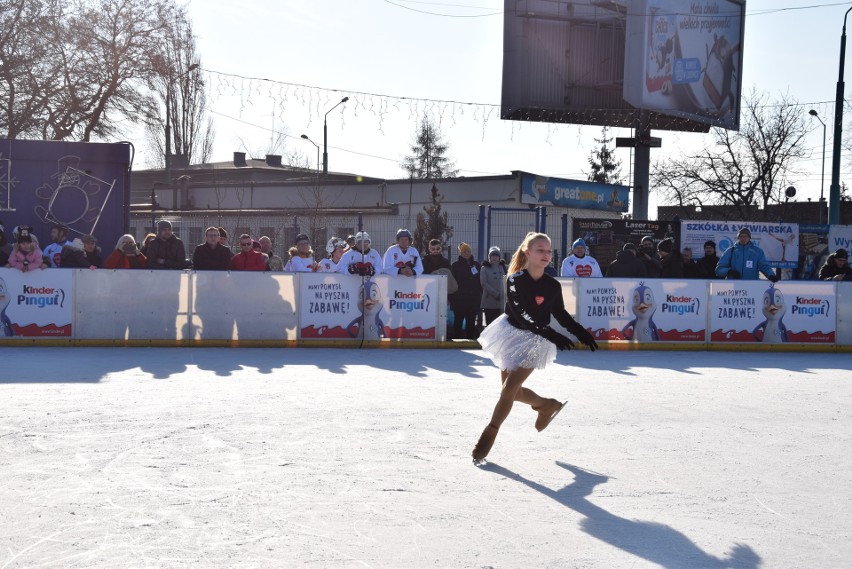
834 189
642 168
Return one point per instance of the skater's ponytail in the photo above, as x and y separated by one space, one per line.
519 259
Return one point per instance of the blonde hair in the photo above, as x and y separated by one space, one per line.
123 238
519 259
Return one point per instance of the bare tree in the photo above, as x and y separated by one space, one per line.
742 169
191 128
78 69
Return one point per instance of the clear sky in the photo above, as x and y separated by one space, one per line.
396 59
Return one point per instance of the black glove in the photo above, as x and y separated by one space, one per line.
733 274
586 338
583 335
773 278
353 268
561 342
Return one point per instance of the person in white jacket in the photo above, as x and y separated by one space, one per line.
402 258
361 260
579 264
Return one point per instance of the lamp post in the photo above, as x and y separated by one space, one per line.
834 190
325 136
306 137
813 113
189 69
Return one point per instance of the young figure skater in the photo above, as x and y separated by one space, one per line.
521 340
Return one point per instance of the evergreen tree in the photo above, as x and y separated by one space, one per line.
432 223
429 160
606 169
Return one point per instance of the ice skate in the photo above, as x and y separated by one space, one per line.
546 413
483 446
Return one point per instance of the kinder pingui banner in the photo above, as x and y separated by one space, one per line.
759 311
35 304
644 311
347 307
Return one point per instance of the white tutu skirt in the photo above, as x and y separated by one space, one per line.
512 348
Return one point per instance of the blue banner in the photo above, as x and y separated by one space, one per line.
541 190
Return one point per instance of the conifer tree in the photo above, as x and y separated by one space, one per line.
432 223
606 169
429 160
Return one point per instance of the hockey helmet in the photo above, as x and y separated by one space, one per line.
403 233
334 243
362 236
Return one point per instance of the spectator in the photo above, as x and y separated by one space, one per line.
72 256
691 269
274 262
435 259
26 255
92 252
836 267
126 255
58 238
626 264
709 261
579 264
247 259
166 251
335 248
492 277
211 255
302 259
4 247
223 238
466 300
361 260
147 241
649 257
402 258
671 264
744 260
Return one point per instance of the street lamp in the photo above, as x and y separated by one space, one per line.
306 137
813 113
325 136
834 190
189 69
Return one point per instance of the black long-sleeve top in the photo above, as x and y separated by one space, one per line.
530 304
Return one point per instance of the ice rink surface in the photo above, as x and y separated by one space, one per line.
125 457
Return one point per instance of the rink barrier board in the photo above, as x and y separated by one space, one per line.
208 309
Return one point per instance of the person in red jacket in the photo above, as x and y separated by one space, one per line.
248 259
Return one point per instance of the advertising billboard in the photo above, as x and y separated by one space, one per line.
685 58
541 190
606 237
564 62
779 241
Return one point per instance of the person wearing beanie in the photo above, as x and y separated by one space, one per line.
836 267
579 264
647 253
302 259
671 263
402 258
522 340
709 261
26 254
744 260
492 277
466 300
626 264
167 250
72 256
